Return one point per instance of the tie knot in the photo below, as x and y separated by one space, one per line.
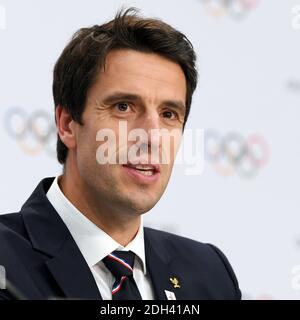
120 263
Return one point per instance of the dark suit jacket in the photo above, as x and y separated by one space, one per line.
42 260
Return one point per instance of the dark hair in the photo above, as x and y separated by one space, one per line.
77 67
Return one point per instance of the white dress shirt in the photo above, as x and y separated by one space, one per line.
95 244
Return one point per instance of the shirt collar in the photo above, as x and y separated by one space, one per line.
93 242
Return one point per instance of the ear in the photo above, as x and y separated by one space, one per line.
65 127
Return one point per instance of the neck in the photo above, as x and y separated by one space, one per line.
115 222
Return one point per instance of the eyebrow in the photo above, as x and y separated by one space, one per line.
118 95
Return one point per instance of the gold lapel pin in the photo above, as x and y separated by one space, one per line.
175 282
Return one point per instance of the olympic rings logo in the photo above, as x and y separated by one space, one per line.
236 9
233 153
33 132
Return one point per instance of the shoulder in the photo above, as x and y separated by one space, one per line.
13 235
179 242
10 219
11 223
198 254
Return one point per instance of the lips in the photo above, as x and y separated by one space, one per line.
143 173
144 168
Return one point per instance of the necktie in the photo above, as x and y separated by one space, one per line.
120 264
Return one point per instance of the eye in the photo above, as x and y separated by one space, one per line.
122 106
169 114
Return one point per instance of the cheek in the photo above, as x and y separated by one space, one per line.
87 144
171 149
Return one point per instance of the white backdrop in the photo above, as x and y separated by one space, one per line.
249 92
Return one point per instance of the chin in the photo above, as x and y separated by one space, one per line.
142 204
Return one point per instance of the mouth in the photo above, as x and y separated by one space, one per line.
145 173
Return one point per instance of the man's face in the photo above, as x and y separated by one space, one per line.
146 91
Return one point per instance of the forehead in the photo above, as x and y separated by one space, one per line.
136 71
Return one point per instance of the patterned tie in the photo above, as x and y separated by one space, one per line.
120 264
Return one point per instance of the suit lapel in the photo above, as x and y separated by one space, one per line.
49 235
159 264
72 273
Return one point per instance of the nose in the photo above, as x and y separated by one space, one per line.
150 124
150 121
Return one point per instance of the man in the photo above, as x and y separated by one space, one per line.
81 234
